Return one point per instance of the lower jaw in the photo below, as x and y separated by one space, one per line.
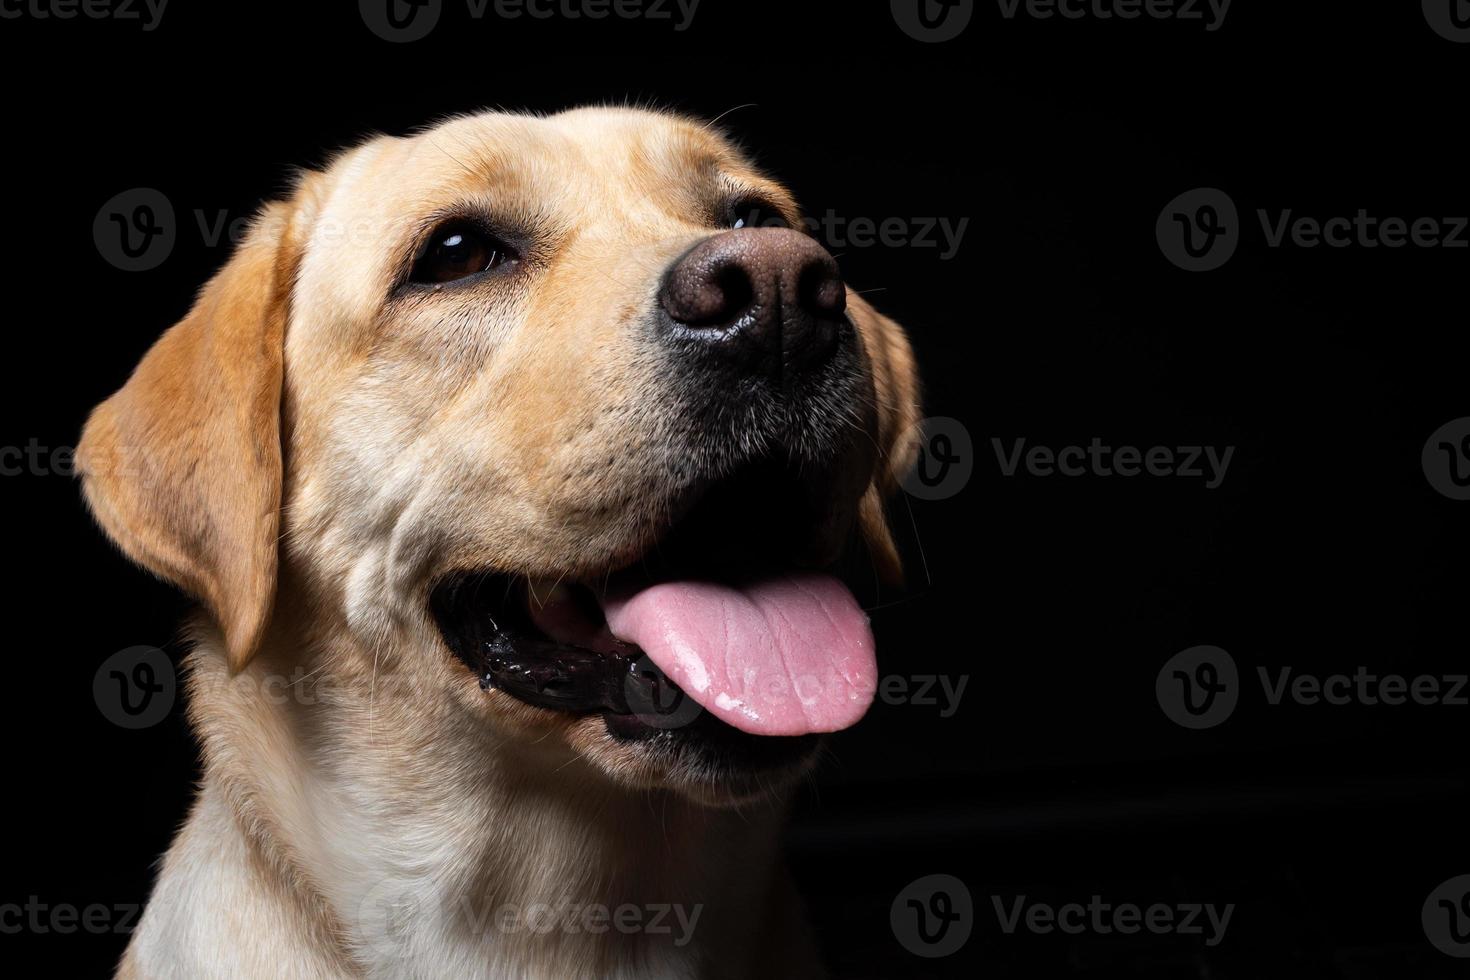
707 762
717 741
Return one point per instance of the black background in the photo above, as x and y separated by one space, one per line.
1058 320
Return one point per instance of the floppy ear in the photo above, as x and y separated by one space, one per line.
182 466
896 391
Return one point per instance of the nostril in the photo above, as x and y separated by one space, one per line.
820 290
736 291
709 293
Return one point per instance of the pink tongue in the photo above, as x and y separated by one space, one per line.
784 656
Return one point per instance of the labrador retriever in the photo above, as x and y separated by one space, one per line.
523 469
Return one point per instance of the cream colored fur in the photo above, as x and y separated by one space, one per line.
311 448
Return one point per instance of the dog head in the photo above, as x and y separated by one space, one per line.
563 418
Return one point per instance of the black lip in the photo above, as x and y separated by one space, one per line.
506 656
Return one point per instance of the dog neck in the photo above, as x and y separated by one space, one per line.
414 842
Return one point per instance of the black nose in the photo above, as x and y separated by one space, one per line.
762 300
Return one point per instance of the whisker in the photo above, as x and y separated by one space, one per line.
918 540
896 602
722 115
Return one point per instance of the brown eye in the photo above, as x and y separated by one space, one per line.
457 251
754 213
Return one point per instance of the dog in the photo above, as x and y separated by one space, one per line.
523 469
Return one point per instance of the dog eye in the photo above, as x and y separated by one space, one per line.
457 251
754 213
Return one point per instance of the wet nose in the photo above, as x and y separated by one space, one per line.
761 300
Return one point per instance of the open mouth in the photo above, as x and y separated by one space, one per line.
734 625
